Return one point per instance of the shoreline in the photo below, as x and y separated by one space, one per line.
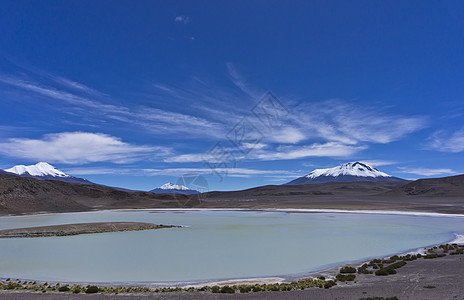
271 209
329 270
422 277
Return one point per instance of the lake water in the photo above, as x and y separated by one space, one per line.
215 245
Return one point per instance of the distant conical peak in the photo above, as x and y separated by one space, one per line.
171 186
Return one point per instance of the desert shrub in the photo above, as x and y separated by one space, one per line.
385 272
92 289
257 288
342 277
215 289
227 290
348 270
64 288
397 265
433 255
245 289
330 284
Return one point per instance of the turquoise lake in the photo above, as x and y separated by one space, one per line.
214 245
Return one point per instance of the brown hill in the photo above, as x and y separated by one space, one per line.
452 186
332 189
28 195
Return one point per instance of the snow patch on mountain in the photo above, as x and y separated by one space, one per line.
171 186
352 168
40 169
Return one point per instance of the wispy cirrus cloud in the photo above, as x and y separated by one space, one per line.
154 120
330 149
345 122
427 172
236 172
444 141
182 19
79 148
241 83
59 94
333 128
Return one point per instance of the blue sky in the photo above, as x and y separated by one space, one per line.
138 93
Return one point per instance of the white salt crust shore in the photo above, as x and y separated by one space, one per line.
328 272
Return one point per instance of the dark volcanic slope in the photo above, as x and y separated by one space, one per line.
434 187
331 189
341 178
444 195
28 195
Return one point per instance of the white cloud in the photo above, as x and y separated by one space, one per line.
254 145
183 158
76 86
343 122
231 172
182 19
445 142
65 96
427 172
239 82
154 120
287 135
78 148
330 149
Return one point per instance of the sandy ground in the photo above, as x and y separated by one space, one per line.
446 274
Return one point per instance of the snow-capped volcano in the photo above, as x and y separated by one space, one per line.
174 189
45 171
40 169
348 172
171 186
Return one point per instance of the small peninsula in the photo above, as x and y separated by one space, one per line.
81 228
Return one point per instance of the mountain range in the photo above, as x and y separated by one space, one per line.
355 185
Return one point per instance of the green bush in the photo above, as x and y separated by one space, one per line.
257 288
215 289
227 290
342 277
397 265
92 289
385 272
64 289
329 284
348 270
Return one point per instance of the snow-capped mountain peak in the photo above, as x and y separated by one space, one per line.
40 169
171 186
352 168
348 172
